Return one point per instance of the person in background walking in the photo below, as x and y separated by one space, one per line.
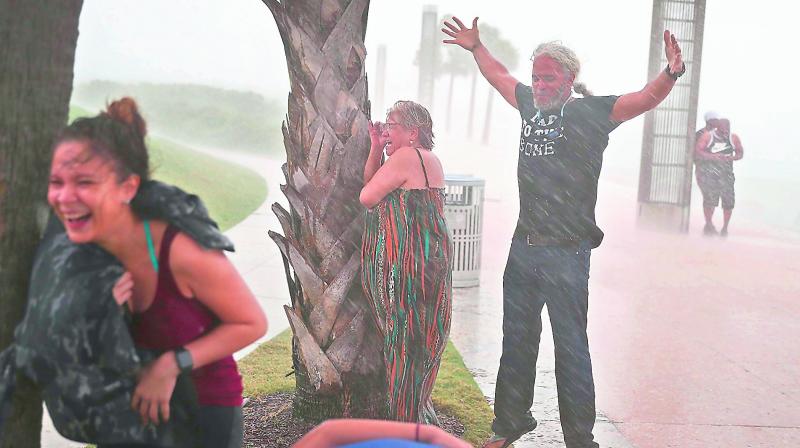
716 148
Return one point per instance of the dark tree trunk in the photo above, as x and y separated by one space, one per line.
337 358
37 52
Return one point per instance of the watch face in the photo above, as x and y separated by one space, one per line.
184 359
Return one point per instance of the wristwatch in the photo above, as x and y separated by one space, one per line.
675 75
184 360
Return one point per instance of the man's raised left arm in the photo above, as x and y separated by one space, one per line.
636 103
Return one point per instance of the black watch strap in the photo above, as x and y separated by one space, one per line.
184 360
675 75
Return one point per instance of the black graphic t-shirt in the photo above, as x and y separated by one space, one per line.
717 145
560 156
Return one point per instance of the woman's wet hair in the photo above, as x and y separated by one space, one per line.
414 115
567 58
116 134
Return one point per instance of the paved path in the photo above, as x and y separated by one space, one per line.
692 338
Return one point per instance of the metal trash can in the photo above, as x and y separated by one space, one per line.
463 210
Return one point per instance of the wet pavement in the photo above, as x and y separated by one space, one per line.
693 336
477 333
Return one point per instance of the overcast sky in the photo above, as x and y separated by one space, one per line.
748 72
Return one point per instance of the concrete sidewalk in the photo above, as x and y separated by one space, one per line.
690 336
477 333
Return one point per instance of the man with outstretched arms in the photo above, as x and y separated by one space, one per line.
561 146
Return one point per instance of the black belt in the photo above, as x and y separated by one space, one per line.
541 240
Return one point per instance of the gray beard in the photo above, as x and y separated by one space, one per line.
555 103
550 105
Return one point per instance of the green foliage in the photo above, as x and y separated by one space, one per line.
456 393
199 115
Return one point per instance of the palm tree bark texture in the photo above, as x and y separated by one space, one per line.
336 348
37 53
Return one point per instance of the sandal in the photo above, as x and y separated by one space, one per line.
506 440
509 439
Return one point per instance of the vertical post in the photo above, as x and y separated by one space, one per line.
380 84
487 122
653 66
694 95
665 177
472 101
428 47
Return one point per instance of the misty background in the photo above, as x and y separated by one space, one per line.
747 72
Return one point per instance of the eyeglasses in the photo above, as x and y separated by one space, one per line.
391 125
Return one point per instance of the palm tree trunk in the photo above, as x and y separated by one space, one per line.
336 348
37 52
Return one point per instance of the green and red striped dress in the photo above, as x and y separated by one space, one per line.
406 276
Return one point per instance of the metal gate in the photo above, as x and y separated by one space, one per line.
665 177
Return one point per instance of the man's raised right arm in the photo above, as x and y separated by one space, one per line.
491 69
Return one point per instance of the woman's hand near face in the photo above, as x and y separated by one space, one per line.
123 290
154 390
376 137
378 142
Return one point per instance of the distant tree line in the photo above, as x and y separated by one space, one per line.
197 114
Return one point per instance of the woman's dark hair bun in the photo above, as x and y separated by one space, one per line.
118 133
126 111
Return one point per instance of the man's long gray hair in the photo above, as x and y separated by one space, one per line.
567 58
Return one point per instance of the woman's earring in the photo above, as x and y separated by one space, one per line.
411 143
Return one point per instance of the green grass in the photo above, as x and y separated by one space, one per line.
230 192
264 369
76 112
456 393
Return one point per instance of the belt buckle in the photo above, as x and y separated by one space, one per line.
537 240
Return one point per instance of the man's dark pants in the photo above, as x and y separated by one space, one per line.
559 278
